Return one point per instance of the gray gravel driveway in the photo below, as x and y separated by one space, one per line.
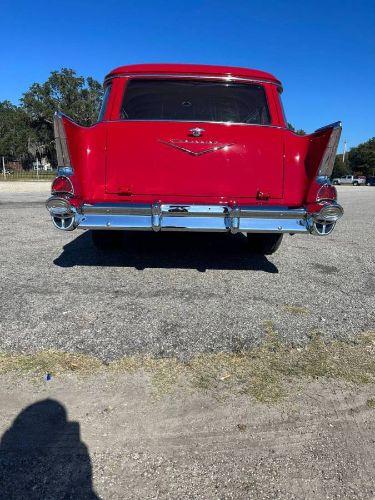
179 294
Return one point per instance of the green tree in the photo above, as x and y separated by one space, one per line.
76 96
340 168
362 158
300 131
16 132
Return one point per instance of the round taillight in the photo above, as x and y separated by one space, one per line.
62 185
326 192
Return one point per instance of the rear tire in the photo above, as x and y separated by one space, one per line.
106 239
264 244
336 183
355 183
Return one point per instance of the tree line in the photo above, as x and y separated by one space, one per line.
26 130
358 161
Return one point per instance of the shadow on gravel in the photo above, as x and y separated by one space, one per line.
42 456
199 251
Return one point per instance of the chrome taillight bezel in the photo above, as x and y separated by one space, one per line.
321 196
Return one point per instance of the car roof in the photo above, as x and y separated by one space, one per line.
192 69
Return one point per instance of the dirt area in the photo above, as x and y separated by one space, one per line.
108 436
273 422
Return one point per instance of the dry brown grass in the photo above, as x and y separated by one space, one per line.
296 310
264 372
54 362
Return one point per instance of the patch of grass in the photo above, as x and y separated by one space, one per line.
28 175
28 179
164 372
296 309
53 362
371 403
262 372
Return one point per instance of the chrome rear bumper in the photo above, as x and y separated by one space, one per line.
179 217
217 218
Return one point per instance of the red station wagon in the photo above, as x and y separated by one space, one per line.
181 147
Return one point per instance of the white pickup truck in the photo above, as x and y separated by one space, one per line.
350 179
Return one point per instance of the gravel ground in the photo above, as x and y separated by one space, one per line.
179 294
24 187
108 436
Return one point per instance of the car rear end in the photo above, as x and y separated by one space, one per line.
193 151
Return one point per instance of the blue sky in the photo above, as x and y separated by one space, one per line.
323 51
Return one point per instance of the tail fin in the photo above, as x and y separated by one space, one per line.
67 138
322 150
320 159
62 151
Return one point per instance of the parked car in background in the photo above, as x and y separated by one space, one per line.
350 179
181 147
370 181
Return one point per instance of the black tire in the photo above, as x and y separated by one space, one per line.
355 183
106 239
336 183
265 244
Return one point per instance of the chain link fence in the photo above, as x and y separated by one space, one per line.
14 170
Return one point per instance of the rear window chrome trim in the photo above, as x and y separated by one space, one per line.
196 122
192 77
270 118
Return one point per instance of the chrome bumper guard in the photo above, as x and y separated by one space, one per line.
179 217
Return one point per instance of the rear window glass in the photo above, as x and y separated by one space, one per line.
188 100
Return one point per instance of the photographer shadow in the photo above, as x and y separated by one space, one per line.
141 250
43 457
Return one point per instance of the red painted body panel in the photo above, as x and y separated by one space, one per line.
124 161
139 163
